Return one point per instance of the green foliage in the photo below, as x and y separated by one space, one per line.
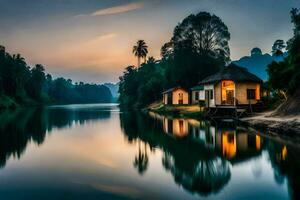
284 77
24 85
37 77
141 87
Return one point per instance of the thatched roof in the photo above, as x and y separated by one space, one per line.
234 73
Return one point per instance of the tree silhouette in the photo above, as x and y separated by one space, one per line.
140 50
167 50
278 47
151 60
199 41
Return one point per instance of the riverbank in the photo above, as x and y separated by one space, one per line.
186 111
288 125
284 125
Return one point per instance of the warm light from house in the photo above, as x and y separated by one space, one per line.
229 147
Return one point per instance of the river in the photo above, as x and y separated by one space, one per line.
98 152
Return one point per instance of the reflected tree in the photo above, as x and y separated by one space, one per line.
285 161
192 165
21 126
141 160
205 177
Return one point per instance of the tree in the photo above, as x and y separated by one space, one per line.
256 51
284 77
204 34
128 86
167 50
151 60
36 82
278 47
295 18
140 50
199 48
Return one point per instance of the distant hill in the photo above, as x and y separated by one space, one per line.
257 62
113 87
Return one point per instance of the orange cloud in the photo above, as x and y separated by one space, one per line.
118 9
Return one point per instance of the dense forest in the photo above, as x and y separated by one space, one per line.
198 48
21 84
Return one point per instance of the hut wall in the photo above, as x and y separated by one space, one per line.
180 127
175 96
165 98
241 92
218 93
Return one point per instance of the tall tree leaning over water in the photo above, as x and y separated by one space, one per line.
140 50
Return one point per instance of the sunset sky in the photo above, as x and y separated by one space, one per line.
91 40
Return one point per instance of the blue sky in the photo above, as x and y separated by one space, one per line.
91 40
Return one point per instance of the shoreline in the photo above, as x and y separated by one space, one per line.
285 126
281 125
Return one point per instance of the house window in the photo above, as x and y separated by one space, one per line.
211 94
250 94
196 96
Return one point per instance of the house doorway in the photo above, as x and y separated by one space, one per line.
228 93
180 98
230 97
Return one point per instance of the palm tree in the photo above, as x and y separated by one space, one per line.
140 50
151 60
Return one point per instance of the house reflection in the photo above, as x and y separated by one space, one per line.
201 162
176 127
231 142
228 144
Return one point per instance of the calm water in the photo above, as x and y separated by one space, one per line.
97 152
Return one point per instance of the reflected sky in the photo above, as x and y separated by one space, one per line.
98 154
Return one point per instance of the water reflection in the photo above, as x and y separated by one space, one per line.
138 155
200 154
19 127
285 161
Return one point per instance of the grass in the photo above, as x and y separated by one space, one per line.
191 111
